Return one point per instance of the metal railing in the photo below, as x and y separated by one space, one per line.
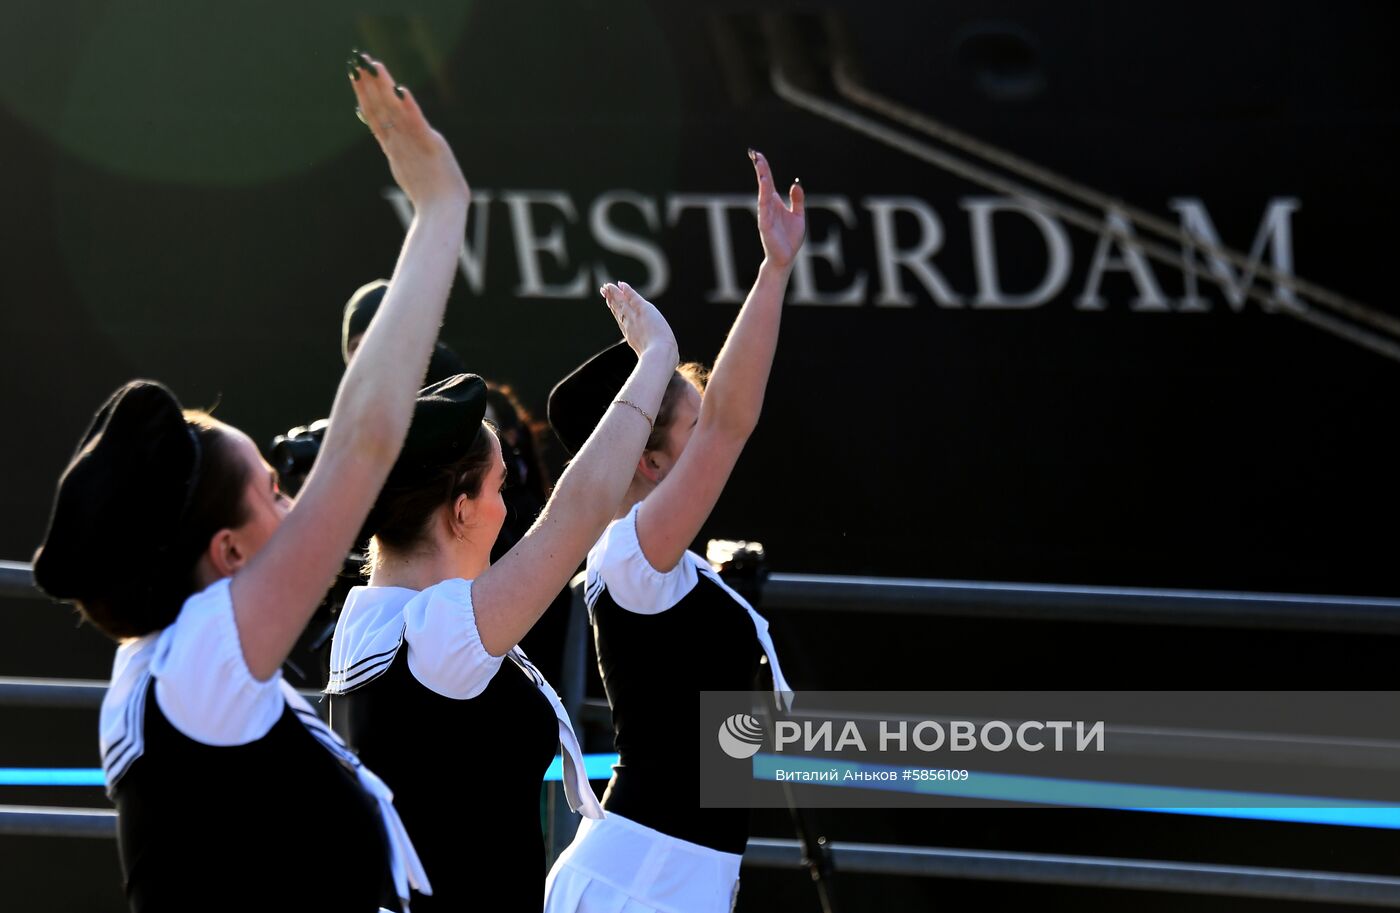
1086 871
82 693
1057 602
33 821
808 593
16 579
1038 601
52 692
935 862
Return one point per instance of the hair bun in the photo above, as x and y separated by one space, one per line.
121 497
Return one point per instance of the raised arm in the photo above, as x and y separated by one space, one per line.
275 595
671 516
513 593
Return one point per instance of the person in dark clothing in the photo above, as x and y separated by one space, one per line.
170 534
666 626
427 677
361 308
527 488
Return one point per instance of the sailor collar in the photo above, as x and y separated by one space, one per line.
122 742
371 631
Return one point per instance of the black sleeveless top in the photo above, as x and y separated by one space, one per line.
654 668
466 776
276 824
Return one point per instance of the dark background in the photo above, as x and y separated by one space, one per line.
187 196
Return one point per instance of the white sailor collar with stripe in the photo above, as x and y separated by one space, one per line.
198 663
446 656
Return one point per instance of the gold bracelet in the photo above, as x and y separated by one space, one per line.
626 402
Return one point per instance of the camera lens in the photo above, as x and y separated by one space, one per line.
294 455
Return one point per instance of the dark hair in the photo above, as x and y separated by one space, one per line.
406 512
150 596
511 415
693 373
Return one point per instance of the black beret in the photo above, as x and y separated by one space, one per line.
577 403
359 311
446 421
443 364
120 500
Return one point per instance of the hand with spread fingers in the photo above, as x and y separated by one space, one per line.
781 226
419 158
641 323
678 504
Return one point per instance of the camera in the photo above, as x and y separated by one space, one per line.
294 453
743 565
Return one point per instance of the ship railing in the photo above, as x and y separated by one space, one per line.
949 598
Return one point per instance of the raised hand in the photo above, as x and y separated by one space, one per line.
641 323
419 158
781 226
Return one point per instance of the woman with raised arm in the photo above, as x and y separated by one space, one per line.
666 626
169 533
428 682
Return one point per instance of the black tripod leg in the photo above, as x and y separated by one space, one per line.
816 853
